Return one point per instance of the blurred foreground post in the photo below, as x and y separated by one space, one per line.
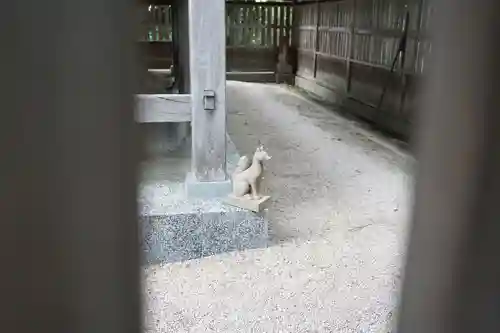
452 281
67 191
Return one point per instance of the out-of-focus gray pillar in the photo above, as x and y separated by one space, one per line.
452 279
68 215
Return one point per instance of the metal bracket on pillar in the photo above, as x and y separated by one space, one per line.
209 100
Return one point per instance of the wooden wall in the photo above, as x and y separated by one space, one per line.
345 51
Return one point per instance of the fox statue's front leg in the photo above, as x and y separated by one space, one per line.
240 188
255 190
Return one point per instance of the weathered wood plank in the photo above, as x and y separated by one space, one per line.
350 46
207 40
162 108
269 26
316 37
283 26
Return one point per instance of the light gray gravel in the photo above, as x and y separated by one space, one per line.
341 198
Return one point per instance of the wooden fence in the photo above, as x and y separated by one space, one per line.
345 50
155 35
254 31
155 23
253 34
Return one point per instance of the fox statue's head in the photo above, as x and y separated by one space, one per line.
261 154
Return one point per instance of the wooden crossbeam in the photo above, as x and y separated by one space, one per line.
163 108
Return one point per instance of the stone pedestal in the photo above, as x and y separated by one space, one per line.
199 229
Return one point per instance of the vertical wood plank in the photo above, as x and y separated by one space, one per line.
413 58
350 47
230 25
418 25
207 68
268 27
283 27
283 21
237 29
280 23
168 24
316 39
156 23
246 24
273 26
260 25
276 25
163 23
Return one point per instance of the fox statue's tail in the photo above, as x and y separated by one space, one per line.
243 164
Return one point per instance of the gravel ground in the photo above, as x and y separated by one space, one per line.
338 220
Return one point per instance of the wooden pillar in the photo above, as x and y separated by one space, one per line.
207 55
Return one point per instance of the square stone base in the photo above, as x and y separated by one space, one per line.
204 229
206 190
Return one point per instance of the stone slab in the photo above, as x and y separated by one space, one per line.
201 231
246 203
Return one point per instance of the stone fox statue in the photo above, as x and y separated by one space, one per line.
246 177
